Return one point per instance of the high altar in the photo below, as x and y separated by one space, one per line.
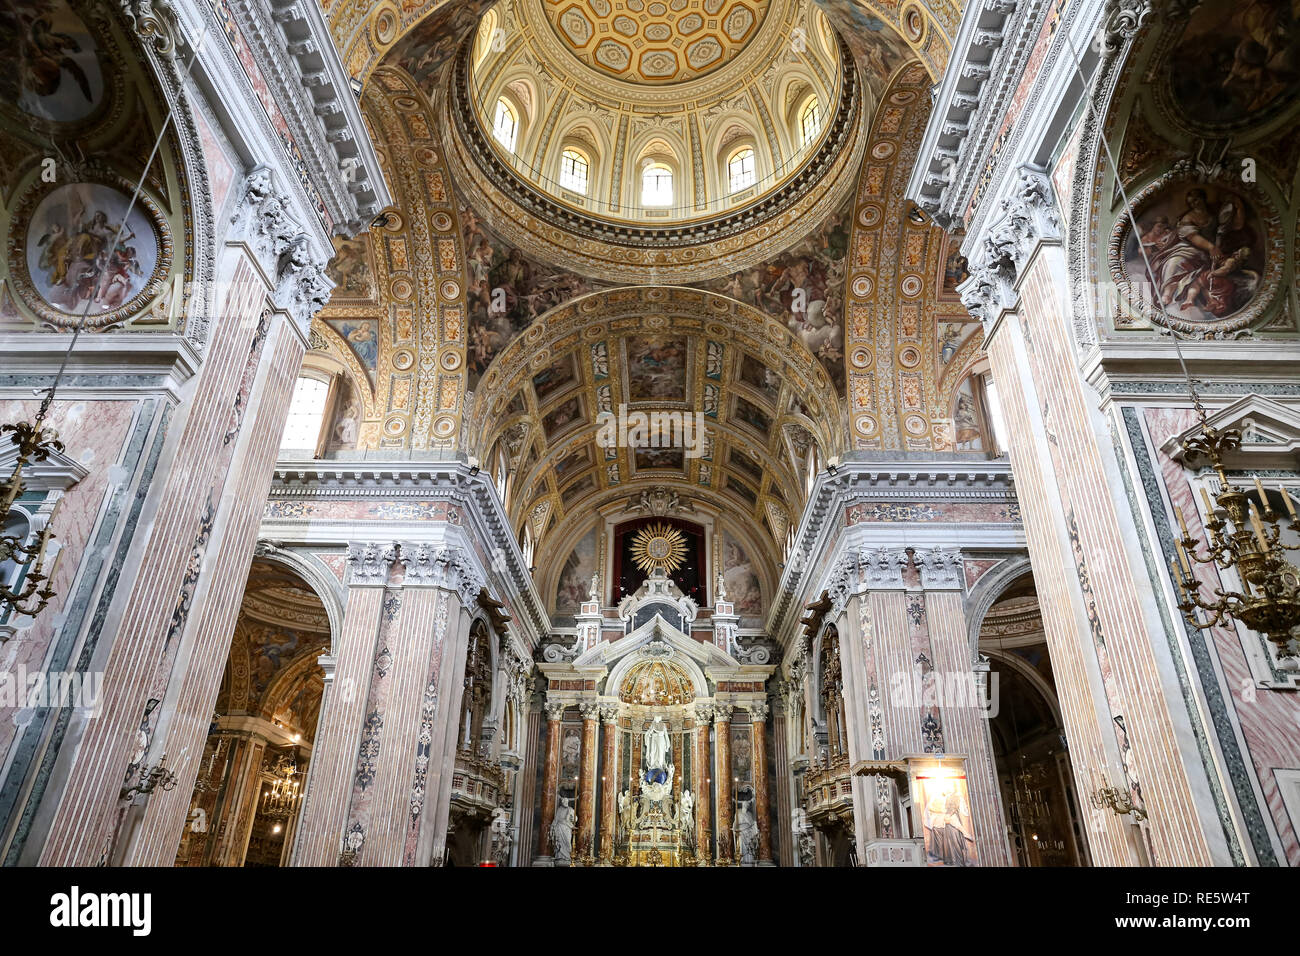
680 775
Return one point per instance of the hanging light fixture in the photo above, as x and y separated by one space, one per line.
280 799
36 442
1242 535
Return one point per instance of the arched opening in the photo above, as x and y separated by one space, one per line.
253 769
657 185
575 170
1029 748
505 124
810 122
478 786
741 171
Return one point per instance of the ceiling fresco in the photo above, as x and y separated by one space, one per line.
457 334
1211 173
763 399
365 31
76 98
655 41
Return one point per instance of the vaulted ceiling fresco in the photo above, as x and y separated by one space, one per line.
462 329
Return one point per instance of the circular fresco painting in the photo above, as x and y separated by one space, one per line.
1206 246
72 260
53 71
1235 61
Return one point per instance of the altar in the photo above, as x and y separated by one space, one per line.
678 776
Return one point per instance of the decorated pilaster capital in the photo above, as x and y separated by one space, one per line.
369 563
590 710
758 711
722 713
454 570
555 709
941 569
1027 216
881 569
418 561
609 714
702 713
301 286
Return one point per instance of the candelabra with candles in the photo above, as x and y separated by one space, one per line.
1241 535
35 442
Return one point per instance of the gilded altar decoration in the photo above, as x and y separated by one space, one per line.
658 547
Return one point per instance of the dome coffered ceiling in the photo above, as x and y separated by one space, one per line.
656 41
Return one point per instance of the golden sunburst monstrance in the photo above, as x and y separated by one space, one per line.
658 547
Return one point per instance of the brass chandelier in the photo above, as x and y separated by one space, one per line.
25 595
280 799
1244 535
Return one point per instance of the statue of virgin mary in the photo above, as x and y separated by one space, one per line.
657 752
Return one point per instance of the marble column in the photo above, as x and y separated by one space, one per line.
550 776
758 721
587 782
722 776
703 800
609 781
343 704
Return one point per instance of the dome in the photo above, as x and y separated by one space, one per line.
655 113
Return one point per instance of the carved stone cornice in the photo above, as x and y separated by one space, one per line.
294 53
941 569
369 563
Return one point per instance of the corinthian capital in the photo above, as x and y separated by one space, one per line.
555 709
941 569
758 710
368 563
882 568
452 569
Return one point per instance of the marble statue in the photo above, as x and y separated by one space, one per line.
562 831
722 588
594 593
627 811
687 815
502 837
657 752
746 830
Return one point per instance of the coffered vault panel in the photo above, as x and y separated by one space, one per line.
655 41
765 403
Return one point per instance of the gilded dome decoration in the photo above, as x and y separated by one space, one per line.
656 42
656 684
655 113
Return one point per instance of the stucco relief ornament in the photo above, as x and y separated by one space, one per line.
301 288
152 20
369 562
